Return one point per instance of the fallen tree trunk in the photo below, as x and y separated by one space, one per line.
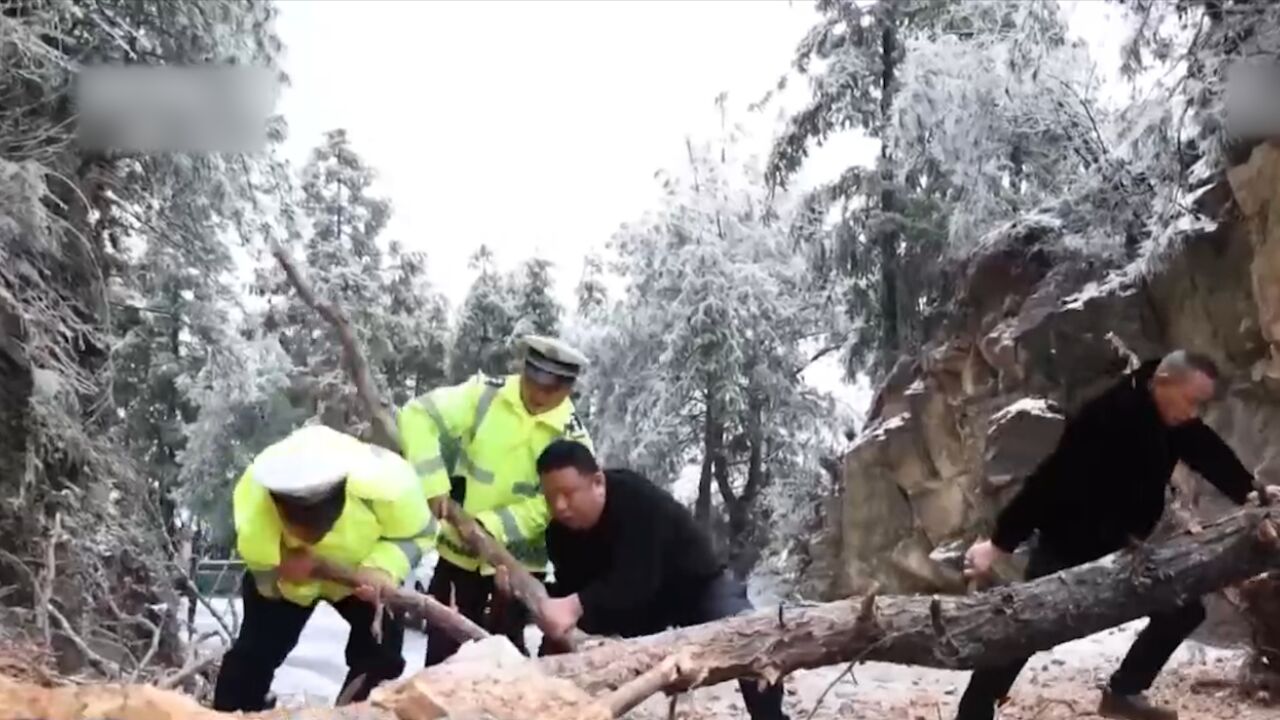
947 632
960 632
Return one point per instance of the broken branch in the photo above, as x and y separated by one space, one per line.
638 690
193 666
426 607
384 426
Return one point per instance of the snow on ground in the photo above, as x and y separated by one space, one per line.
315 669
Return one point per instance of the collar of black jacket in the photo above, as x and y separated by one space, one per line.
1140 381
1144 372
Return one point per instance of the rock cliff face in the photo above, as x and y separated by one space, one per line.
1039 329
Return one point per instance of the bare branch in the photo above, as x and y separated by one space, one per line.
622 700
384 426
105 666
193 666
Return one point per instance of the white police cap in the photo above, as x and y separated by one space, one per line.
552 356
308 464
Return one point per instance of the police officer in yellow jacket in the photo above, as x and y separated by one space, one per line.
478 442
321 493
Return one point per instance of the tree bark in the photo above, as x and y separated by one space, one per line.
702 506
887 237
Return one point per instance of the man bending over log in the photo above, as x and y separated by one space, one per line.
1102 489
630 561
321 494
477 443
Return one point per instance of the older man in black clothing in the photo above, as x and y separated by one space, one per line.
1102 489
630 560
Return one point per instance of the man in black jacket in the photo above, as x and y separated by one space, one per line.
1102 489
630 560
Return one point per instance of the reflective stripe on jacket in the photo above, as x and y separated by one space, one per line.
481 431
385 524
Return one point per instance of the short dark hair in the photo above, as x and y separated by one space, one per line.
561 454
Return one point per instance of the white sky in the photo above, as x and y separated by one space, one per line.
536 126
533 126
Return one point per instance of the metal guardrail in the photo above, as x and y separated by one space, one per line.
219 578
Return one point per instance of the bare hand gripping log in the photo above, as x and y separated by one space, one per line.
949 632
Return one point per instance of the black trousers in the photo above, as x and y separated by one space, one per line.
475 598
270 631
719 598
1146 657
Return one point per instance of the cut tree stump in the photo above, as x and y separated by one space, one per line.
946 632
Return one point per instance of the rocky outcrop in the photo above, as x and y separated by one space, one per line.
1038 329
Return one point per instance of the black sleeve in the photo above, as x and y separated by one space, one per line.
566 573
1021 516
1205 452
635 570
1081 443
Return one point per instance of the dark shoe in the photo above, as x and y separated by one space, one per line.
1132 707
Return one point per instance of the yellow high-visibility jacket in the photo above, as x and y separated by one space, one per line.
481 431
385 524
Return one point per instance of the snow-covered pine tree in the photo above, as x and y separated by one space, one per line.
96 250
891 220
486 323
1003 117
698 365
1174 140
242 396
537 311
590 292
342 224
417 327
